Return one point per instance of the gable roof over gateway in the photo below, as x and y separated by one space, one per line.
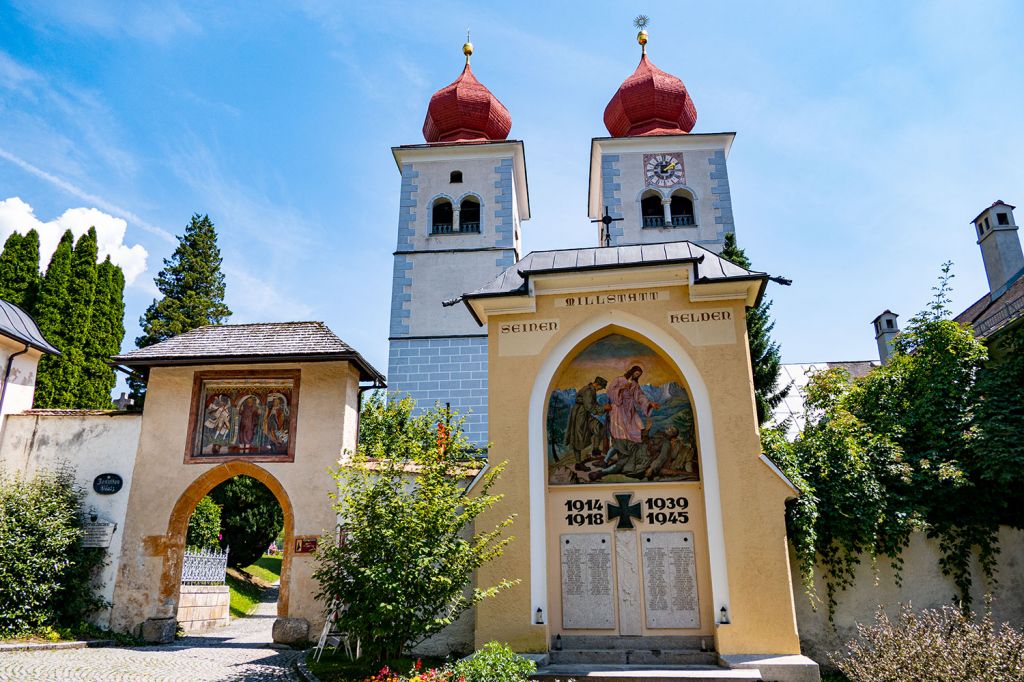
708 266
252 343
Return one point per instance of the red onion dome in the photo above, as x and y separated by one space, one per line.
650 102
466 111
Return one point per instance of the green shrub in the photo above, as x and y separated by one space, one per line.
204 525
935 645
412 541
45 573
495 662
251 518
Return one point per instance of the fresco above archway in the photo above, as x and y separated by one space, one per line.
619 413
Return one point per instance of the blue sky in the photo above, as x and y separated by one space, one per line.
868 136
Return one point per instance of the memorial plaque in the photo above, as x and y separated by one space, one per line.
98 534
306 544
670 580
587 594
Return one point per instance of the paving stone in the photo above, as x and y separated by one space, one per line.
240 651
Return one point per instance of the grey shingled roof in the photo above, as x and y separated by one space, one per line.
708 266
261 342
16 324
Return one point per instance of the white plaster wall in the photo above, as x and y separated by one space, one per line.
93 445
633 181
21 383
924 586
441 276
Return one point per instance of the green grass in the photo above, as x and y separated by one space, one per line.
267 568
336 667
244 595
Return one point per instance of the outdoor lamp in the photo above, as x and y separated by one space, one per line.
539 620
725 616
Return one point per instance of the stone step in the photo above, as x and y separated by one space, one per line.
644 673
634 656
621 642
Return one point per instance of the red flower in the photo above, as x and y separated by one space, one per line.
419 664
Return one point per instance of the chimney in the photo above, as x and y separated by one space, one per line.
1000 246
886 329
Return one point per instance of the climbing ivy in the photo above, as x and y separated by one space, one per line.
922 443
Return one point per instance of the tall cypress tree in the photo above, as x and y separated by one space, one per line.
51 310
19 270
106 332
765 358
193 291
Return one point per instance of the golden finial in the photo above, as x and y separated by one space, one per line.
641 23
467 47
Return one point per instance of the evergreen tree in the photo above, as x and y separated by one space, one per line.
765 358
192 286
19 270
193 291
106 332
52 308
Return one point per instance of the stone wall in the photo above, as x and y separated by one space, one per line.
201 607
93 443
923 586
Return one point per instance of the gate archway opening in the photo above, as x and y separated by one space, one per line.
177 527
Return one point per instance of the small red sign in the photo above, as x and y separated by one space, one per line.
306 544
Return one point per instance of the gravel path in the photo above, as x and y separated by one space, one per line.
240 651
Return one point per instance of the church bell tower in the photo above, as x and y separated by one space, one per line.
463 196
658 181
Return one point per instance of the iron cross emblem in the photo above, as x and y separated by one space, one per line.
624 511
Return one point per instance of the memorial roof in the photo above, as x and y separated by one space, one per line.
16 324
708 266
260 342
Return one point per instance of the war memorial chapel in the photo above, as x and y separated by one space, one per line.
614 378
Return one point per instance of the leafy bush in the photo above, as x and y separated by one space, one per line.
928 442
204 525
45 573
495 662
408 551
935 645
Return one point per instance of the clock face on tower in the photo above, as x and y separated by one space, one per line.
663 170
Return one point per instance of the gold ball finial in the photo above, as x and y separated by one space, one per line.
467 47
641 23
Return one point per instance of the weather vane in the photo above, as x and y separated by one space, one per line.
467 48
641 23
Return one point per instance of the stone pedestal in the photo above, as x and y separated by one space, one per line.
291 631
159 630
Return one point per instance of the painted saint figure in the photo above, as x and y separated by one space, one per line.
218 416
248 420
275 424
629 407
584 431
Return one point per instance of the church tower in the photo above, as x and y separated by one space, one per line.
658 182
463 196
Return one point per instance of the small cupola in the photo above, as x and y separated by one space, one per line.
996 230
650 102
466 111
886 329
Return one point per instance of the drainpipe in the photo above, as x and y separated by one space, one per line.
7 374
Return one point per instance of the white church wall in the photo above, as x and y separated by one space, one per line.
93 444
443 276
923 586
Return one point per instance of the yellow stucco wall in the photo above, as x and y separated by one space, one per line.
760 600
163 485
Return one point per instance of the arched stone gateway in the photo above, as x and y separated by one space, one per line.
177 526
221 402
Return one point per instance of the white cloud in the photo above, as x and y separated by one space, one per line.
18 216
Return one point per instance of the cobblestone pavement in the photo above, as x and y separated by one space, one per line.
239 651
